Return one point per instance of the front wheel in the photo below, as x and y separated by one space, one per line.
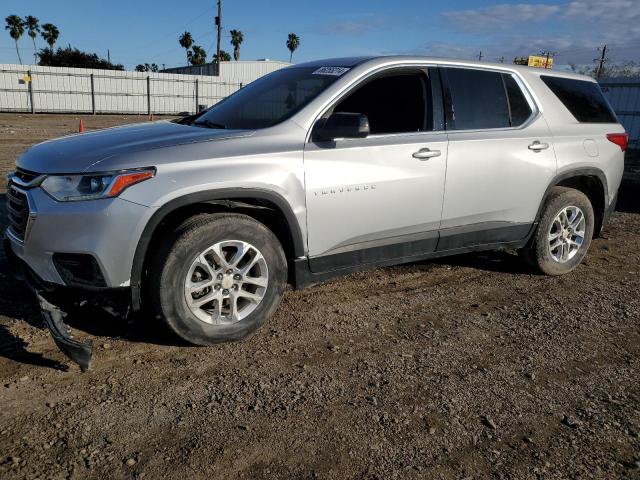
564 233
218 278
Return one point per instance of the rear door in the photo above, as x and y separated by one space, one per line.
500 162
379 198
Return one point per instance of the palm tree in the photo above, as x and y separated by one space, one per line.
33 27
236 39
50 34
15 25
186 41
197 55
293 42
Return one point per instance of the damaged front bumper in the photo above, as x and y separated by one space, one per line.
78 352
55 301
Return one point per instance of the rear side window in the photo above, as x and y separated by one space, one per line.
478 99
582 98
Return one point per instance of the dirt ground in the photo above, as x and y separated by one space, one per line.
468 367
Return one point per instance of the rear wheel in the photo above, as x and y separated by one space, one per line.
218 278
564 233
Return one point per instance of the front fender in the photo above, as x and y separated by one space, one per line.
264 195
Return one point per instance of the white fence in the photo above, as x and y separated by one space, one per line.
75 90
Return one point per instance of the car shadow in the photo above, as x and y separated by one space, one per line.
4 215
18 304
628 198
14 348
498 261
138 327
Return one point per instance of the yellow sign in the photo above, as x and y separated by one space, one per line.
26 79
540 61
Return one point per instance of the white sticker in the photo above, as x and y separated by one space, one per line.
336 71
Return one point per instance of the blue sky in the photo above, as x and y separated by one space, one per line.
138 31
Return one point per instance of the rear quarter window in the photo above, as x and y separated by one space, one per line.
582 98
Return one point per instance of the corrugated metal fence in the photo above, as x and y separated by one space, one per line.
74 90
624 96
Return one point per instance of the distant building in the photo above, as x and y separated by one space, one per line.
244 71
538 61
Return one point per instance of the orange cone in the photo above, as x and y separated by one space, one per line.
81 127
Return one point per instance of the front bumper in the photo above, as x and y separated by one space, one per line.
107 229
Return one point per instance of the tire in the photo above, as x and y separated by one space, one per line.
181 258
541 254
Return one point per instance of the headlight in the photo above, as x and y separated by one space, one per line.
71 188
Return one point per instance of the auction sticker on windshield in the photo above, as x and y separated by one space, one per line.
336 71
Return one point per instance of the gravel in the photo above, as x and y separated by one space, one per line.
468 367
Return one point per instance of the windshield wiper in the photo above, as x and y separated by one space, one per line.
210 124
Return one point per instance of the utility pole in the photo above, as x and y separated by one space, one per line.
548 55
480 56
219 26
602 61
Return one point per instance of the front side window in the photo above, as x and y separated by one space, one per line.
393 103
270 99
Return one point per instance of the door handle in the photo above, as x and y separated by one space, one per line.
426 154
537 146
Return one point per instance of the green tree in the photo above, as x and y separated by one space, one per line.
293 42
72 57
236 39
15 25
33 27
197 55
146 67
224 56
50 33
628 70
186 42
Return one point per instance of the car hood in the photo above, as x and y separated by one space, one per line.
80 152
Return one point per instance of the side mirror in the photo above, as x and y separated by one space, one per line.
342 125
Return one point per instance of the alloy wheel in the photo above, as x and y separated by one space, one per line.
566 234
226 282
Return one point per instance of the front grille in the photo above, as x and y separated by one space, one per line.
25 175
18 208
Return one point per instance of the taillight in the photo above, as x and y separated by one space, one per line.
620 139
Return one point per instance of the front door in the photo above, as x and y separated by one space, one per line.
378 198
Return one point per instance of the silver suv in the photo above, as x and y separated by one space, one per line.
314 171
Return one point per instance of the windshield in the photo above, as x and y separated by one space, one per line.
270 99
